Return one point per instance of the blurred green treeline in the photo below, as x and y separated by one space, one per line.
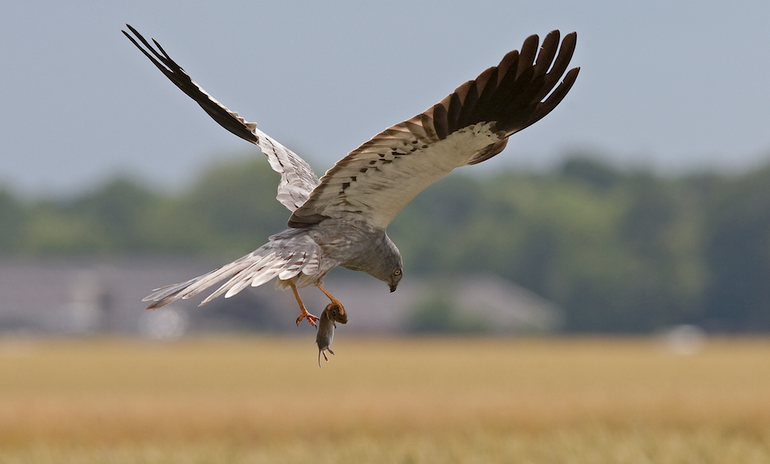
618 250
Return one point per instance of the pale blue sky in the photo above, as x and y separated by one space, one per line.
667 85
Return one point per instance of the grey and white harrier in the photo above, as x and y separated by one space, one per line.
340 219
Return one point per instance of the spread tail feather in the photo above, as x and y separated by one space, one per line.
285 256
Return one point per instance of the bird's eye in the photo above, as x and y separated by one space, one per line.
397 272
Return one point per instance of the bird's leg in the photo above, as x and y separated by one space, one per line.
335 307
303 313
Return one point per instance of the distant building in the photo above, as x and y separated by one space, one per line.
488 303
81 297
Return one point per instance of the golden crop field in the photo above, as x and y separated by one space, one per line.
401 400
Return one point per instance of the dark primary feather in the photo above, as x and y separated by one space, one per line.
512 92
227 119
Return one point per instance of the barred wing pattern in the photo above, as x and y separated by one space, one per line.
297 177
472 124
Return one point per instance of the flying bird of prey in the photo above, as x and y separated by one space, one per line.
340 220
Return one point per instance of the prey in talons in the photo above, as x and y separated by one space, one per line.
332 314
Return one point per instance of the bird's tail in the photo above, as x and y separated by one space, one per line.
285 257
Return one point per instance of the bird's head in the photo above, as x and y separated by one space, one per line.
393 265
389 267
381 259
395 278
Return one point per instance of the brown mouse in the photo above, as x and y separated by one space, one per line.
326 325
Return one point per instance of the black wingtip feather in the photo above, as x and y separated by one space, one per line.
184 82
440 123
517 102
468 105
547 53
527 54
453 114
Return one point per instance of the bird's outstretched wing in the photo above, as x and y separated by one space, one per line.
472 124
297 178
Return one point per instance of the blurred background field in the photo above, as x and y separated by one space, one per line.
445 399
